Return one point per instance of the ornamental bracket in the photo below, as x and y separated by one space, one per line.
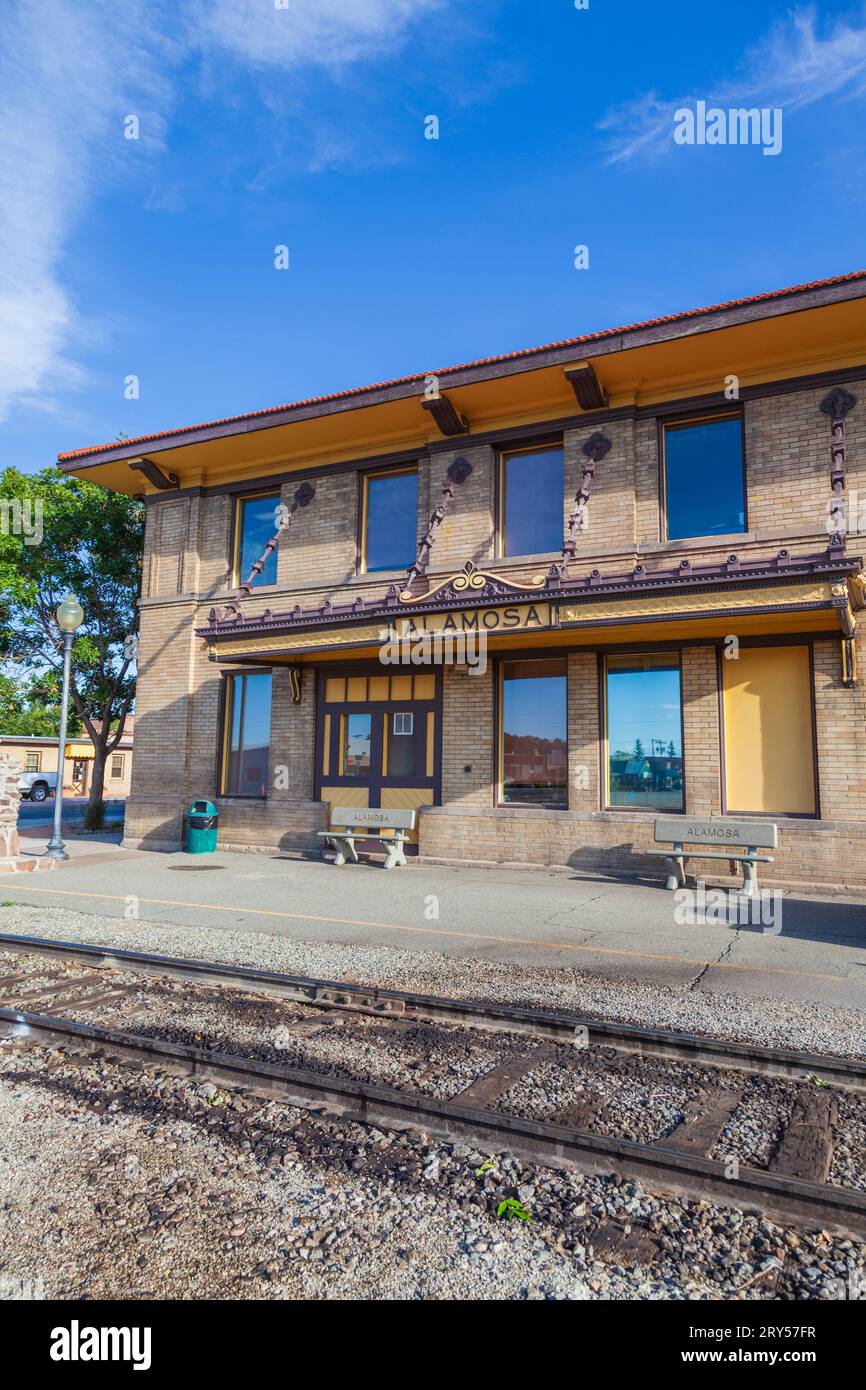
303 497
588 390
447 417
458 472
594 451
166 482
837 405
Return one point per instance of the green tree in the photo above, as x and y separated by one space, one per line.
33 706
76 538
638 748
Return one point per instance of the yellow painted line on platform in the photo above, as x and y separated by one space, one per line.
440 931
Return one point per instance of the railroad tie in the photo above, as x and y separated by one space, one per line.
703 1120
806 1147
60 986
487 1089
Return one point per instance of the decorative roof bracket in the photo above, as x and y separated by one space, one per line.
166 482
587 388
448 419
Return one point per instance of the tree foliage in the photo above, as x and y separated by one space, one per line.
90 543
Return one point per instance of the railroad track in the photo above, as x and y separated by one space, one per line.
793 1189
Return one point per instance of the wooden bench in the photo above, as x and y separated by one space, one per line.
351 823
750 835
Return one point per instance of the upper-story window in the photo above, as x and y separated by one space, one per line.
531 501
703 473
389 520
256 523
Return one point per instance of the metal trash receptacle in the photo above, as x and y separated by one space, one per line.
202 827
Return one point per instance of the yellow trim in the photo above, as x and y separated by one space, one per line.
335 690
239 504
326 751
425 687
365 488
117 776
377 688
431 743
341 756
385 717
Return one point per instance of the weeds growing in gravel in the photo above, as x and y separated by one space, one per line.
511 1209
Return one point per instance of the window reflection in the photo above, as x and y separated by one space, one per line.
644 732
534 733
257 522
391 521
357 732
532 502
248 717
704 486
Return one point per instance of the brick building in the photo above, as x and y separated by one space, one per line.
656 530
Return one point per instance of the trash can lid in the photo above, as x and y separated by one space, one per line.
202 808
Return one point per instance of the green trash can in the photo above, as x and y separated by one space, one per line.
202 825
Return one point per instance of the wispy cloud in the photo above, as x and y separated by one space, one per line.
794 66
69 74
327 33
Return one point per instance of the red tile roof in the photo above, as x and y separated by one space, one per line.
766 297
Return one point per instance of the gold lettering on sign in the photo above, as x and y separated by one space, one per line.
517 617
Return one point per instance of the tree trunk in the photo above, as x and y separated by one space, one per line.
97 781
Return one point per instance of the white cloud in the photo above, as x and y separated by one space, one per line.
794 66
328 33
69 74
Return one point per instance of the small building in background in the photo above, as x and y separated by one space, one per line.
38 754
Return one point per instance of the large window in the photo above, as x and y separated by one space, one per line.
704 484
643 714
532 505
769 731
534 733
247 734
390 520
257 520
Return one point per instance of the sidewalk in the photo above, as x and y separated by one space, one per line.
554 918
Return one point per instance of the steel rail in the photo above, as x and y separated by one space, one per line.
666 1171
846 1073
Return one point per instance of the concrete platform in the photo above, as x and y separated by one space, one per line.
615 929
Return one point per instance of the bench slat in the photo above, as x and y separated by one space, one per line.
718 831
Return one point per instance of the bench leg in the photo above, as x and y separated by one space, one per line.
676 872
750 879
341 849
394 854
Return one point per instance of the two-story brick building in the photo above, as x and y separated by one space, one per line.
656 529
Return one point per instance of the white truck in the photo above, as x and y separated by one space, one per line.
37 786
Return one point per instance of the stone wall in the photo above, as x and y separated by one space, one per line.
10 771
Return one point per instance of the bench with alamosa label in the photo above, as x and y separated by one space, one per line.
723 835
383 824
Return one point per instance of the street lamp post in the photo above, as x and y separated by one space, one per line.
70 616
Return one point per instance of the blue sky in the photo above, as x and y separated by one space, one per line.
304 126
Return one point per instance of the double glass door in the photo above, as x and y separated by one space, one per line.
379 739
